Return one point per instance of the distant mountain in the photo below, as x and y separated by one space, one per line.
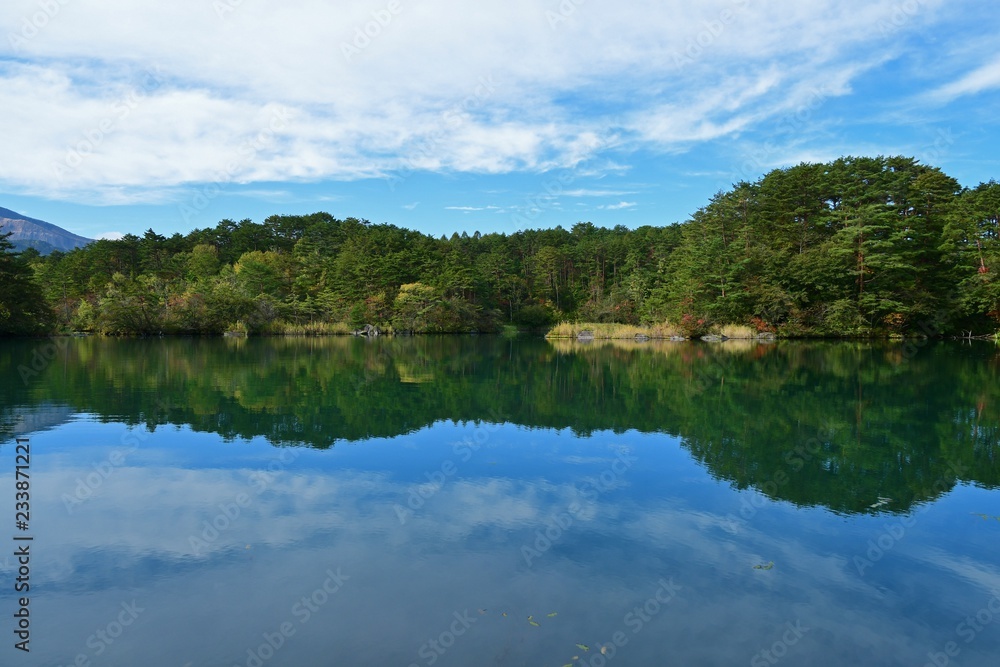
42 236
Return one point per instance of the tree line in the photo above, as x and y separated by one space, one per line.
860 246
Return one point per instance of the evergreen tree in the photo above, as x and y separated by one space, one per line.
23 308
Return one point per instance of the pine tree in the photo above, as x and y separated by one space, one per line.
23 309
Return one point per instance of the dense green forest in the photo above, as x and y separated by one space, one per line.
859 246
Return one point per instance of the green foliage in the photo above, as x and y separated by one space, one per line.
859 246
23 308
535 316
203 262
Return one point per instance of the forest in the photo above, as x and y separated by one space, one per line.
861 246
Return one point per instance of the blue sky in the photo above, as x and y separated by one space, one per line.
443 116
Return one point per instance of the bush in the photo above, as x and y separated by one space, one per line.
535 316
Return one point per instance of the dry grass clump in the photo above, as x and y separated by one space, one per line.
737 331
612 331
312 329
662 330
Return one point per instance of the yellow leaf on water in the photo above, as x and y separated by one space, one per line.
583 647
535 624
555 613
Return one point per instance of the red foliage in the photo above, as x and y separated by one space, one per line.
760 324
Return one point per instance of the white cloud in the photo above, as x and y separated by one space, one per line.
111 236
620 206
265 93
584 192
472 208
986 77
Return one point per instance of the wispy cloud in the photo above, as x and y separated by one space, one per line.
986 77
620 206
596 193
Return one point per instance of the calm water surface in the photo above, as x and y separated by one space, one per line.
482 501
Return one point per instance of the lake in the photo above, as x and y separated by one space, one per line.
491 501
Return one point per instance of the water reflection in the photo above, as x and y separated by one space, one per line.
838 424
462 501
380 554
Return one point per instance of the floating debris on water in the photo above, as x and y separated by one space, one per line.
882 502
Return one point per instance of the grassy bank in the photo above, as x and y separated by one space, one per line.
663 330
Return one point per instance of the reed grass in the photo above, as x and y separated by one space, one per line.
737 331
310 329
612 331
656 331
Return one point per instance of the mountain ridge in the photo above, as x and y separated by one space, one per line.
44 237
